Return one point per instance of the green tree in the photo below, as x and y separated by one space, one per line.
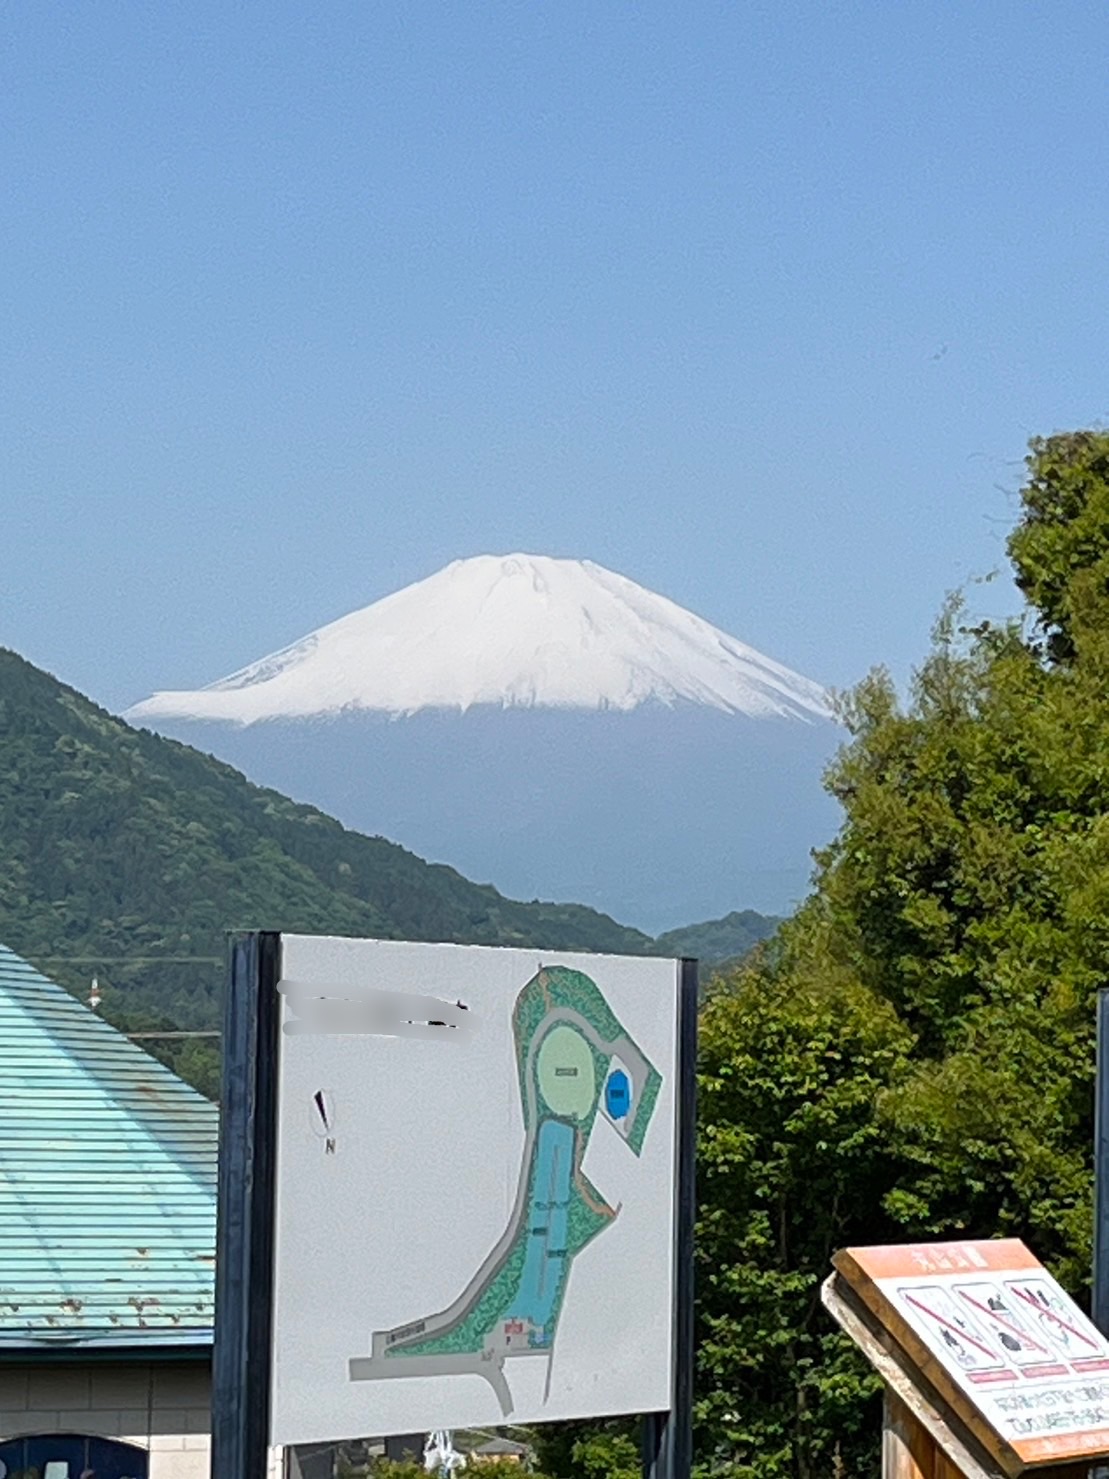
913 1056
604 1450
968 893
793 1163
1060 548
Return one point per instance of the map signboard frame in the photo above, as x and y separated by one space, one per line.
984 1327
577 1066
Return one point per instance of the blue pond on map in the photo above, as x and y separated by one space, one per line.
618 1095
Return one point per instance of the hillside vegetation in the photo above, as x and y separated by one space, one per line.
718 940
128 856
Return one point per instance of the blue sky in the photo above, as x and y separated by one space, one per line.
755 303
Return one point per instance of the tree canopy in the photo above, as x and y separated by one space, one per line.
913 1055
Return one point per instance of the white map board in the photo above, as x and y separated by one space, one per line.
474 1220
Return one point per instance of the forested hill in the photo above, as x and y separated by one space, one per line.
129 855
717 941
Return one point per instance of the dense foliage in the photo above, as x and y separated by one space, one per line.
913 1055
384 1468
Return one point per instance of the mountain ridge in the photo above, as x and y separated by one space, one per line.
129 855
122 824
716 941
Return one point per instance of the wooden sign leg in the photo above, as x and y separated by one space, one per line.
908 1451
945 1469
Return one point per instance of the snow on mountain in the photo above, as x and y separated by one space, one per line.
514 631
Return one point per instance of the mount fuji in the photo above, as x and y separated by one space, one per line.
518 631
546 725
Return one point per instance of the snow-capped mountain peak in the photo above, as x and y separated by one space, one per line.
511 631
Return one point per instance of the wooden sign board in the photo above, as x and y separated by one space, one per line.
995 1336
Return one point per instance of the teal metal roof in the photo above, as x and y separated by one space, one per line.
107 1179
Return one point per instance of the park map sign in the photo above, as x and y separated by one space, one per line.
575 1062
992 1332
474 1187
